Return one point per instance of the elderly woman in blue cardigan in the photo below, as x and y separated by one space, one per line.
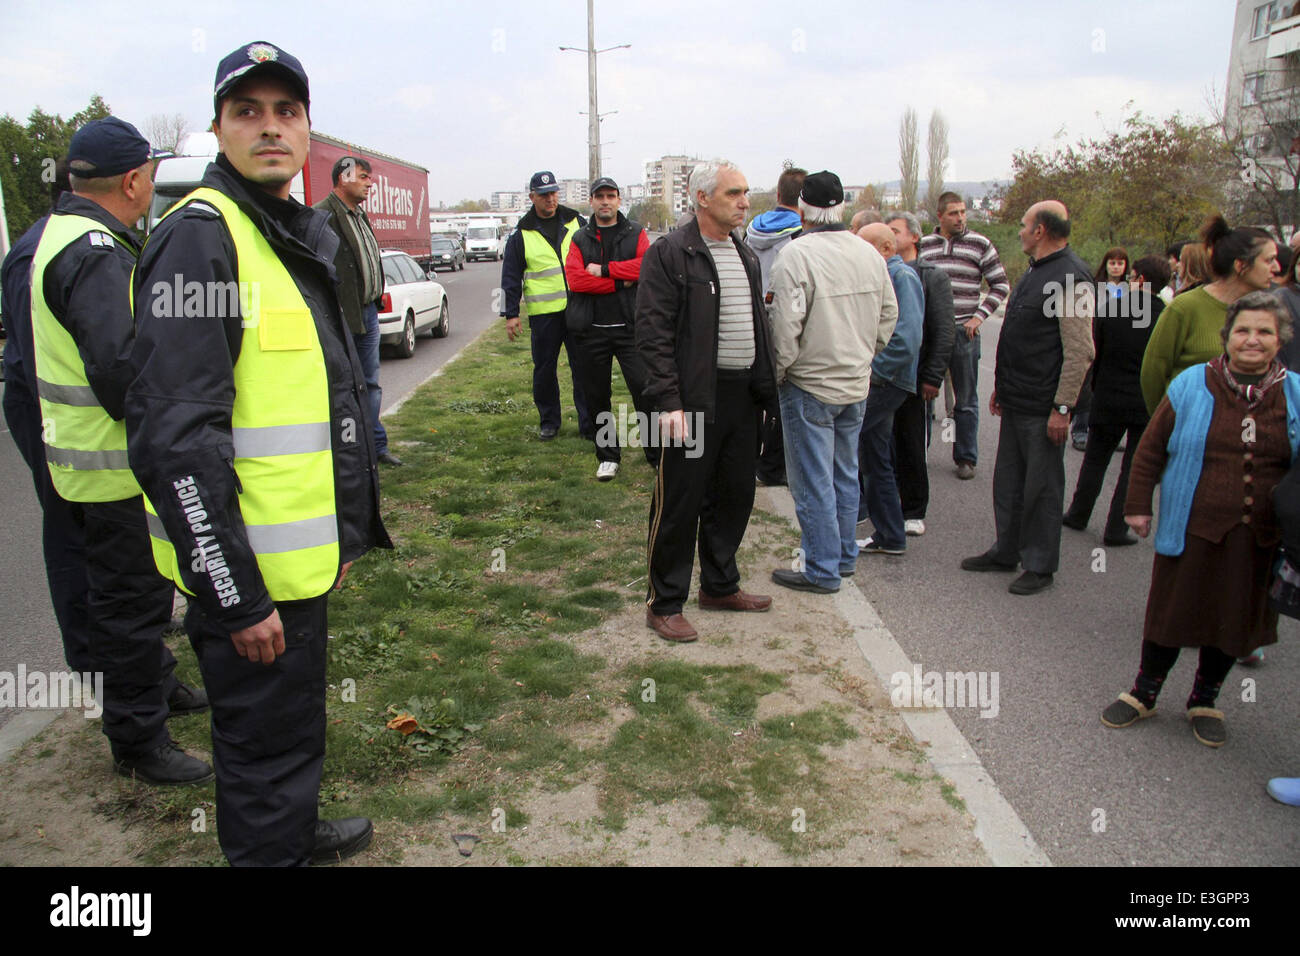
1226 432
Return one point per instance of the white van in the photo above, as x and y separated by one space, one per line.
481 241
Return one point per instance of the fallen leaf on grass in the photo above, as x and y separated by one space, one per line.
404 723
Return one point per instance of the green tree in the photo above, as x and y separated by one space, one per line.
472 205
651 213
28 153
1141 186
909 158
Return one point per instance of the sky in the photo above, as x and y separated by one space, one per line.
481 94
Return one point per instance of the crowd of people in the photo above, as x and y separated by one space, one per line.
220 453
827 346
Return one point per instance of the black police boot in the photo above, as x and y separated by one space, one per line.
186 700
167 765
339 839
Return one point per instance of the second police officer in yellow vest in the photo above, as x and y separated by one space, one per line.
82 328
532 273
248 432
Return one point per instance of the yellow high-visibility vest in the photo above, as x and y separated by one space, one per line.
85 449
281 431
545 290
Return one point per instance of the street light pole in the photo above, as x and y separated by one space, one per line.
593 116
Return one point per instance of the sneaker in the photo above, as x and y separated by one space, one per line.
872 546
607 470
799 582
965 470
167 765
914 527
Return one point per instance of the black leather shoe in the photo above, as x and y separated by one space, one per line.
166 766
548 432
985 562
186 700
1118 539
1031 582
339 839
1072 522
390 459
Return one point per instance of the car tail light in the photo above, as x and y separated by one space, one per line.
386 304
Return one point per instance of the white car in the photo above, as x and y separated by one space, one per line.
412 303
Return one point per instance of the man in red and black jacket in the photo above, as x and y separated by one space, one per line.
602 269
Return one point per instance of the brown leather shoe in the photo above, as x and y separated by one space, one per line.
671 627
740 601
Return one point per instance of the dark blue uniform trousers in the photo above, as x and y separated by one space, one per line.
62 537
268 735
548 333
129 604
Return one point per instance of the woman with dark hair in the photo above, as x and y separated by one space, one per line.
1117 405
1112 291
1242 260
1222 438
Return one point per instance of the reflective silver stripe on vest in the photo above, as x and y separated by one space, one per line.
545 296
156 528
544 273
83 396
293 535
281 440
110 460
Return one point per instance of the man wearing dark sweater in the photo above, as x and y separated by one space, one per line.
1043 354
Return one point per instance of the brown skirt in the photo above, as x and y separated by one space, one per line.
1213 595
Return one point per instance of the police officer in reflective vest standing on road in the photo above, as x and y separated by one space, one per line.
532 268
81 330
249 435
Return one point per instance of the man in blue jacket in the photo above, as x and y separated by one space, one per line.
893 379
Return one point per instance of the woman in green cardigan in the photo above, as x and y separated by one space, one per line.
1187 333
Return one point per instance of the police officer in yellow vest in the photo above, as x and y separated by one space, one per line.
532 270
249 435
82 328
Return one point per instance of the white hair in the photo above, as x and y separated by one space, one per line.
817 216
704 178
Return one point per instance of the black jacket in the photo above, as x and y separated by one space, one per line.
619 306
86 287
1121 341
1030 354
512 260
677 307
347 265
178 409
940 324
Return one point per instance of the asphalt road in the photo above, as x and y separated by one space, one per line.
28 632
1063 655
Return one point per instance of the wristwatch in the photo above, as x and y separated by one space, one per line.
1063 409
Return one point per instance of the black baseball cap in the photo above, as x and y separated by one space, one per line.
822 190
543 182
107 147
264 57
604 182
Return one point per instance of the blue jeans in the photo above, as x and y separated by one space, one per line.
876 453
965 368
368 351
821 466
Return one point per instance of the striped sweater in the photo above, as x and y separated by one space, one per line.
968 259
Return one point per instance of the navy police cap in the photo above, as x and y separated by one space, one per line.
264 57
106 147
543 182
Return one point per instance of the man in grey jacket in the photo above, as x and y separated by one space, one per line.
832 308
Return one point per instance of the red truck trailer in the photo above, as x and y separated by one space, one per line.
398 206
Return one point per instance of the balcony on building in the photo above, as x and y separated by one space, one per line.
1284 35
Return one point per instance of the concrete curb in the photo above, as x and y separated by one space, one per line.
998 827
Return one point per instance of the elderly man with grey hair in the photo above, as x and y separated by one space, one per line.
911 421
833 308
702 334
